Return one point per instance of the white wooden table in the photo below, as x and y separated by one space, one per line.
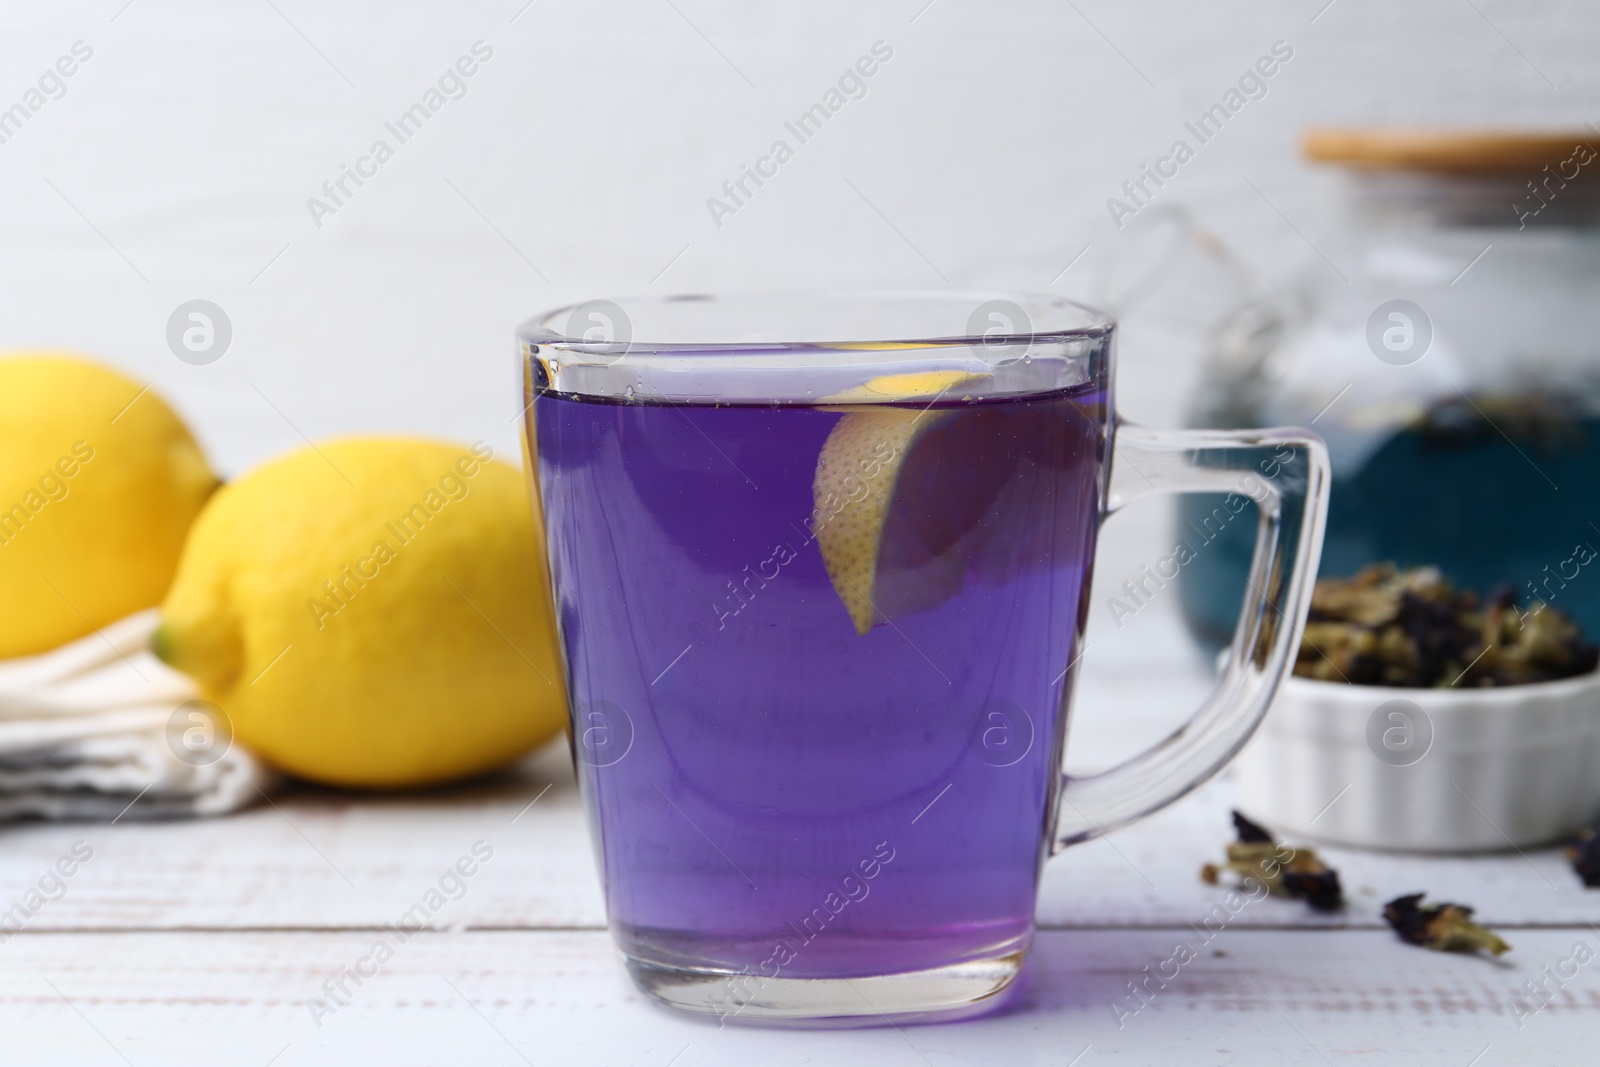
205 942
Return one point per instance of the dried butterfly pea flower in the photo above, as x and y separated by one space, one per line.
1308 878
1385 626
1286 872
1441 927
1336 651
1365 600
1583 852
1248 832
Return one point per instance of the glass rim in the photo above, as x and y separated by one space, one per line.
1063 320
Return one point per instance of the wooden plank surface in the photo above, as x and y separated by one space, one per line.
287 867
209 941
1273 998
323 859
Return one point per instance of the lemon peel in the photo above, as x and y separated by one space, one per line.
915 385
858 472
884 346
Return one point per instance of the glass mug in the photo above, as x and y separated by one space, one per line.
821 567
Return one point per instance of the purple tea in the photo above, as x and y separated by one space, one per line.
774 792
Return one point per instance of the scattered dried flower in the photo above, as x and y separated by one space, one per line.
1248 832
1441 927
1583 852
1286 872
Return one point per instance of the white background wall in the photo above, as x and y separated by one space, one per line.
179 162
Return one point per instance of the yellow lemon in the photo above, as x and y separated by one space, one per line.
857 476
372 612
99 483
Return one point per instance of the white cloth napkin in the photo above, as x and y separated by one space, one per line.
95 729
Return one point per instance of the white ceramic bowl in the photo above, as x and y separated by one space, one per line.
1430 770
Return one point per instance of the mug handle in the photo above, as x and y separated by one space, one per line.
1285 472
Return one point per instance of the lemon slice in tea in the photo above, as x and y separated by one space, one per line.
883 524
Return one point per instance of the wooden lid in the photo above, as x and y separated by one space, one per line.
1444 150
